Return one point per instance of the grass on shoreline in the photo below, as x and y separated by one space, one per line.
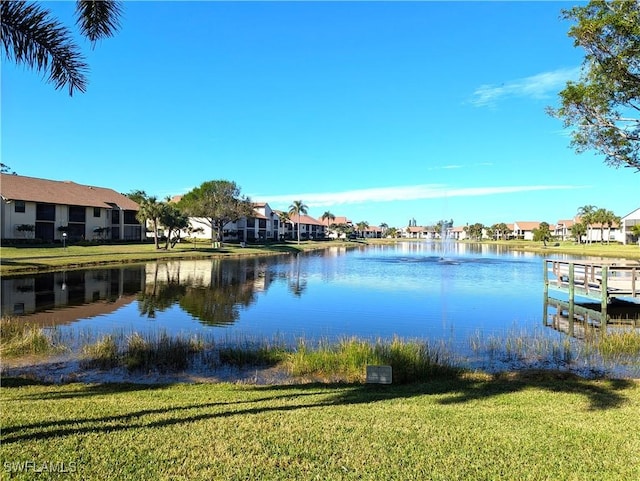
525 426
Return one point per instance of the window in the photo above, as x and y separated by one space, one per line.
262 223
45 212
19 206
130 217
77 213
96 212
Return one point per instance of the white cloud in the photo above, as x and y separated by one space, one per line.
401 193
540 86
459 166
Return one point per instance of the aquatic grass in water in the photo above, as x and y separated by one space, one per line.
102 354
343 360
253 353
619 345
18 338
163 352
525 349
347 359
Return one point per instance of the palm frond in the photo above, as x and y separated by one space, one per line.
32 37
98 19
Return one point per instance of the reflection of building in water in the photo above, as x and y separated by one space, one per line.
210 273
581 319
27 295
69 314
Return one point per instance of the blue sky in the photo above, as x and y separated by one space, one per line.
381 111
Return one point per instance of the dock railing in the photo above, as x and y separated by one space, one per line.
594 279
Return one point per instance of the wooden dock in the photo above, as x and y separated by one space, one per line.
604 281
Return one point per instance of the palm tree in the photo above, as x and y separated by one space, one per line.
32 37
635 231
610 219
587 214
578 229
362 226
383 227
600 217
151 210
297 208
285 218
329 217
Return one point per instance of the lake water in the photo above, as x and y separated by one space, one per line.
411 290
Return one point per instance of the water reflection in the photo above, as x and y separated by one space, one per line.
407 290
63 297
580 320
211 291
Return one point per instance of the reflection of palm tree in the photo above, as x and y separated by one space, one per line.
297 285
159 296
232 286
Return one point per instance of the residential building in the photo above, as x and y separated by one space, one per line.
457 233
329 226
524 229
562 229
55 208
264 225
310 228
628 222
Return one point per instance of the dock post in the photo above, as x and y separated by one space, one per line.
572 285
605 298
545 299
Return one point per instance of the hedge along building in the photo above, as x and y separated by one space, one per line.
47 209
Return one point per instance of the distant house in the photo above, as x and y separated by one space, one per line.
55 208
562 229
628 222
372 232
457 233
524 229
414 232
331 223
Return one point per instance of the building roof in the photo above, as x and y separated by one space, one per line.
304 219
566 222
32 189
527 225
338 220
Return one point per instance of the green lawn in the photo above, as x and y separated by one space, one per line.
528 426
628 251
28 259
